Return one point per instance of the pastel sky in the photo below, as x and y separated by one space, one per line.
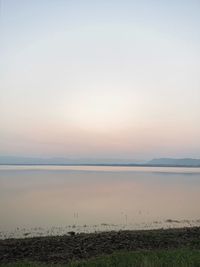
95 78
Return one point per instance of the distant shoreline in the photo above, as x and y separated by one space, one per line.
100 165
117 162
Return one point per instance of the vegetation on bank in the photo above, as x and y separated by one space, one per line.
160 258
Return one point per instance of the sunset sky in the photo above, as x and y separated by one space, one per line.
103 79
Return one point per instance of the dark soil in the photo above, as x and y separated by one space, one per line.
62 249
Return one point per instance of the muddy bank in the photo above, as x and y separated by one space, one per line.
62 249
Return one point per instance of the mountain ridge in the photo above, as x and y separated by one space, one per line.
171 162
175 161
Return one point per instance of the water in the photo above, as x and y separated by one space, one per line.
46 200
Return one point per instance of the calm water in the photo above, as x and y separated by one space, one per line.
40 200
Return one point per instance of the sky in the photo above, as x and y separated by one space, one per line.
100 79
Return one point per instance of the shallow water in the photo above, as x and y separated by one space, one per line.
40 200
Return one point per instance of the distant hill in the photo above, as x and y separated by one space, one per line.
171 162
174 162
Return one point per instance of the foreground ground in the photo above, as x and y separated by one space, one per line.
163 258
172 247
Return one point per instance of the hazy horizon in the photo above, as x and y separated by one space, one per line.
100 79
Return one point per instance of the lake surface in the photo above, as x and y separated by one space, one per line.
46 200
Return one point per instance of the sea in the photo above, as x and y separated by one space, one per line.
56 200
